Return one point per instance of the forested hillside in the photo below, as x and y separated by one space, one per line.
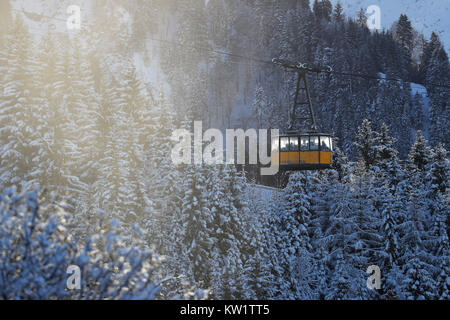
262 30
89 115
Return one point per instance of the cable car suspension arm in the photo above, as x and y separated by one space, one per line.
302 69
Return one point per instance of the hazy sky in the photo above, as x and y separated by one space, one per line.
425 15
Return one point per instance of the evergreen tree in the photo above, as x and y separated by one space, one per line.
389 229
437 182
197 221
340 163
294 236
232 238
418 283
51 131
392 284
258 265
18 107
338 15
439 171
429 48
362 18
323 9
347 246
163 180
438 73
440 247
366 143
420 154
387 157
404 33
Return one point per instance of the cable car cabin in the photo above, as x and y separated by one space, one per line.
305 151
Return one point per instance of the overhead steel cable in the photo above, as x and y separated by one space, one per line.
329 70
284 63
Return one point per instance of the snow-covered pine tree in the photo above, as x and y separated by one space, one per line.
438 72
294 238
387 157
389 229
437 182
419 157
52 119
336 241
418 283
197 222
366 143
439 172
134 108
268 116
338 15
392 284
232 235
411 228
440 247
340 280
361 20
349 232
365 240
186 69
261 243
81 107
341 164
18 107
404 36
415 257
163 180
322 207
322 277
120 188
428 49
323 9
442 282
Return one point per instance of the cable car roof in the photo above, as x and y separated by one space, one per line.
293 134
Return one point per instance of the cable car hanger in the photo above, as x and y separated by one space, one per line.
302 70
298 150
302 66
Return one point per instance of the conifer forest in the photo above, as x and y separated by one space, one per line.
88 181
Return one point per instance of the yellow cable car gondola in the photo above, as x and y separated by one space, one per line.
304 151
296 150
